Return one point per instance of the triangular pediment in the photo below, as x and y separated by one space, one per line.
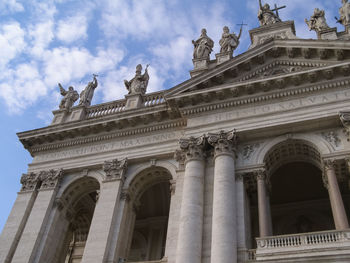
277 58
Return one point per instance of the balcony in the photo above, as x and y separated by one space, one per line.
301 246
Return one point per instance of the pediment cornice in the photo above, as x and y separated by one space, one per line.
294 52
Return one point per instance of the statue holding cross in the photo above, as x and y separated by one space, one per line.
267 16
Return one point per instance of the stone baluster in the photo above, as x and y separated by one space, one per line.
331 182
189 243
33 232
105 216
265 224
224 234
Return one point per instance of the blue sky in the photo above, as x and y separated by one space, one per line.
50 41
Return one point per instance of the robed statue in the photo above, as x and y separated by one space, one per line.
69 97
317 21
203 46
229 41
138 85
344 12
266 16
87 94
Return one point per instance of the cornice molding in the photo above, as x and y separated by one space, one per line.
105 137
235 102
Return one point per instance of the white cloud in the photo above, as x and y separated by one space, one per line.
22 87
12 42
11 6
72 29
41 35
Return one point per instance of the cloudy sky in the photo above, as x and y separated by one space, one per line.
50 41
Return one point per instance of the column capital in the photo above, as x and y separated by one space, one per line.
223 142
29 182
50 178
191 148
115 170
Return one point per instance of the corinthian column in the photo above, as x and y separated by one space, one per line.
224 234
189 243
265 224
331 182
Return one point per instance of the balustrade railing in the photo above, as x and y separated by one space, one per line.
105 109
251 254
153 99
307 239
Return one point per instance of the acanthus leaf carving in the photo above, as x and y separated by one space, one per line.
50 178
223 142
191 148
115 170
29 182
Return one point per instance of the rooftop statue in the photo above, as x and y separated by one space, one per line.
138 85
317 21
229 41
267 16
344 12
69 97
203 46
87 94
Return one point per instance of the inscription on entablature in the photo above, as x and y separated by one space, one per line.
109 146
252 110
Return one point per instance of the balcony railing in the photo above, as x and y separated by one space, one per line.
306 244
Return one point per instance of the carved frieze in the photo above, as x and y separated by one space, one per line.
332 137
115 170
223 142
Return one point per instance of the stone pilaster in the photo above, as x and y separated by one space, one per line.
28 248
101 239
189 243
265 224
224 234
338 210
18 217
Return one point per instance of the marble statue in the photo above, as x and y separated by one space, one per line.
266 16
87 94
229 41
138 85
203 46
344 12
69 97
317 21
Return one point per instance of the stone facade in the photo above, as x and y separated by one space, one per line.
246 161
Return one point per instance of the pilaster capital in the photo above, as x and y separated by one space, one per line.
260 174
191 148
49 179
115 170
29 182
329 164
223 142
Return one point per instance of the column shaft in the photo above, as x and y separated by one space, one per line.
264 211
224 234
189 243
338 210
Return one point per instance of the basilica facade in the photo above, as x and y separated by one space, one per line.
246 161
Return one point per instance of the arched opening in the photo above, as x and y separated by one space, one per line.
77 203
298 199
150 192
